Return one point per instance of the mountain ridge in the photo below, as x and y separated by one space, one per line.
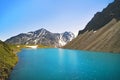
101 33
42 36
100 19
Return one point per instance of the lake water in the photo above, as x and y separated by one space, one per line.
63 64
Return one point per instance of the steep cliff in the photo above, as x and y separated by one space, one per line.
102 18
102 32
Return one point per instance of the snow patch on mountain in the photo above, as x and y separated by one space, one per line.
44 37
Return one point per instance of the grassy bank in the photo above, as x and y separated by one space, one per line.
8 59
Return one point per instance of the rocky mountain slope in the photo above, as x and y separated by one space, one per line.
8 59
100 19
43 37
102 33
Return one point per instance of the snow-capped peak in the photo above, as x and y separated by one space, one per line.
44 37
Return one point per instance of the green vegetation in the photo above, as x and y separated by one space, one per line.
43 46
18 47
8 59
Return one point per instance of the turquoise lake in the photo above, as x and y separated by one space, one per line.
64 64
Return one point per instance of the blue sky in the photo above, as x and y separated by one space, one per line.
20 16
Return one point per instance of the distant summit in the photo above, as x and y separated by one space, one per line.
42 36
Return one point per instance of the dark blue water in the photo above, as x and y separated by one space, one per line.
62 64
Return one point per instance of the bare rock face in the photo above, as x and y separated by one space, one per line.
42 36
102 33
102 18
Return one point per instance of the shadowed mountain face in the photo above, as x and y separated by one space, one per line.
43 37
102 33
102 18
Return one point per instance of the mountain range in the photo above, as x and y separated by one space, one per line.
102 33
42 36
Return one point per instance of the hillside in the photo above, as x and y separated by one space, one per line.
8 59
101 33
100 19
42 37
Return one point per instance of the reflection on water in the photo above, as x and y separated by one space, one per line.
73 58
61 56
67 59
63 64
